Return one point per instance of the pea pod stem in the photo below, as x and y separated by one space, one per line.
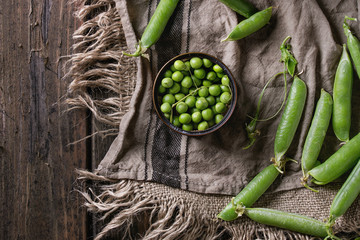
155 27
316 135
250 25
251 130
290 64
353 44
337 164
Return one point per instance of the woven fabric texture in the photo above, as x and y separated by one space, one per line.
159 162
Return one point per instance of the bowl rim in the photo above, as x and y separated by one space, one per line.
196 132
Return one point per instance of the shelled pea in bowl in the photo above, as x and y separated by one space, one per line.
194 94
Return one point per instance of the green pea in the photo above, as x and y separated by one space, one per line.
187 127
192 110
200 73
211 122
185 118
176 121
201 103
168 73
167 115
181 107
250 193
207 63
220 107
290 118
341 118
161 89
225 80
215 90
225 97
177 76
250 25
169 98
214 109
196 117
217 68
207 83
207 114
190 101
185 73
203 91
184 90
203 126
187 82
197 82
165 107
179 96
167 82
172 68
193 91
290 221
188 66
211 100
218 118
179 65
196 62
220 75
211 76
224 88
175 88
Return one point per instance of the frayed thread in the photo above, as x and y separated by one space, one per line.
168 213
103 79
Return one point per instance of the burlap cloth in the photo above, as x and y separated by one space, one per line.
174 184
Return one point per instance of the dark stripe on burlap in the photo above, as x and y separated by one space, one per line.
165 156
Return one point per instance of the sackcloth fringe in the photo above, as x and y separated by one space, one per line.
103 82
103 79
169 213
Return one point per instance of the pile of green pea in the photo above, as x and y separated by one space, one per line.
194 94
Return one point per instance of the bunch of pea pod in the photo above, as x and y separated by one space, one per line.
337 107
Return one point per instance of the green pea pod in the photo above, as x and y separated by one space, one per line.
155 27
242 7
251 193
353 45
317 132
337 164
290 221
341 120
290 118
346 195
250 25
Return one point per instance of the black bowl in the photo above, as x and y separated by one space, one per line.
185 57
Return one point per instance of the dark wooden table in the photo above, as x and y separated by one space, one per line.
38 161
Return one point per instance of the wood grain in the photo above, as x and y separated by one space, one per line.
37 160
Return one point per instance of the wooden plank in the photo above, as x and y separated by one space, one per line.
37 162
